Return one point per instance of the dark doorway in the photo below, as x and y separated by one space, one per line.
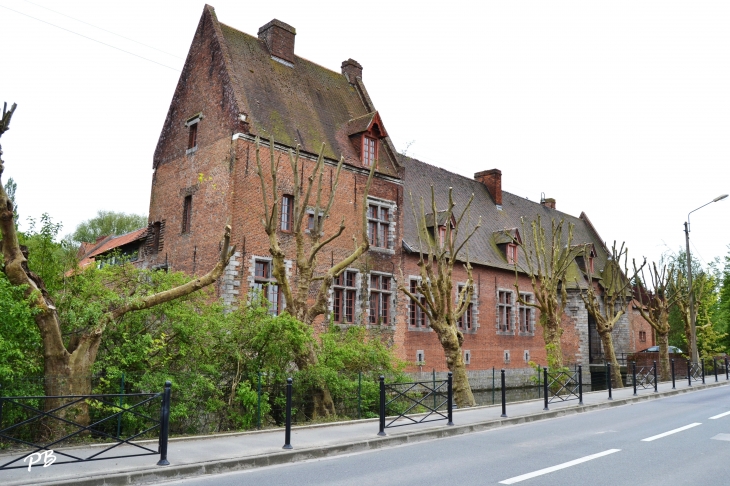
594 342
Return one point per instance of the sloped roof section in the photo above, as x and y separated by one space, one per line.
112 244
306 104
483 247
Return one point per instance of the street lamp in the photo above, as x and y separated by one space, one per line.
695 356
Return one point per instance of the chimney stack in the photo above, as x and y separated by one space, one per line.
351 69
493 180
279 39
549 203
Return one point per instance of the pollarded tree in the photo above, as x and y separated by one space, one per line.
655 298
547 259
438 253
69 362
608 307
310 241
703 289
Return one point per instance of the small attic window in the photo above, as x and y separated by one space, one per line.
511 253
192 126
369 151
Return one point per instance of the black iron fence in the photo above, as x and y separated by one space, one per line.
51 428
415 403
562 386
645 377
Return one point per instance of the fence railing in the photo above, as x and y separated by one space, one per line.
40 430
562 386
645 377
415 403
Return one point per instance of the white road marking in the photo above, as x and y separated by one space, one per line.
719 416
721 437
547 470
655 437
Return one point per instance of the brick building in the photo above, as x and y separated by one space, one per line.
236 87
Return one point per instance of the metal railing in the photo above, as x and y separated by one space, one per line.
645 377
415 403
563 386
36 444
695 372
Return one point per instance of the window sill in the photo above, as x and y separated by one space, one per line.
191 150
505 333
419 329
386 251
528 334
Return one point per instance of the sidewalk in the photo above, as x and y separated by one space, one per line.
194 456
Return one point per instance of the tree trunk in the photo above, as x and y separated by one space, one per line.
322 404
610 353
551 333
450 341
664 372
69 374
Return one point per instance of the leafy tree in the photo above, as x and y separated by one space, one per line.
107 223
106 300
435 288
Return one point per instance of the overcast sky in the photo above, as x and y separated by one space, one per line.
618 109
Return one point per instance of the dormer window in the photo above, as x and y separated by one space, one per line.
369 151
585 260
442 235
364 133
511 252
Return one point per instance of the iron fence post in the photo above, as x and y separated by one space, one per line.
580 384
359 395
450 398
433 382
504 396
727 371
258 405
287 432
633 374
545 386
714 366
608 380
689 373
673 383
656 382
539 385
121 402
164 425
702 362
382 406
492 385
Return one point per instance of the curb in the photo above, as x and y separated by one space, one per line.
156 475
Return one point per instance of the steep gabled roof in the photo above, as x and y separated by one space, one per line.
113 243
484 245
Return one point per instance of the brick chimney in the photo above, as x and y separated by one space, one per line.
351 69
548 203
279 39
493 180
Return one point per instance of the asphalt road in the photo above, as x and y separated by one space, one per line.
679 440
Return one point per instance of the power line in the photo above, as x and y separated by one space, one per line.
105 30
90 38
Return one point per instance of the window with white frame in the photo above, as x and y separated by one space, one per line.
527 355
381 222
505 309
506 356
526 314
466 321
420 357
381 294
287 212
265 285
416 317
344 297
467 357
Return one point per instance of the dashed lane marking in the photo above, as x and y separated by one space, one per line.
547 470
659 436
719 416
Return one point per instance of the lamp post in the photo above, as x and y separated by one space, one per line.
695 356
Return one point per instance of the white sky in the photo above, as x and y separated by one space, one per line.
620 109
